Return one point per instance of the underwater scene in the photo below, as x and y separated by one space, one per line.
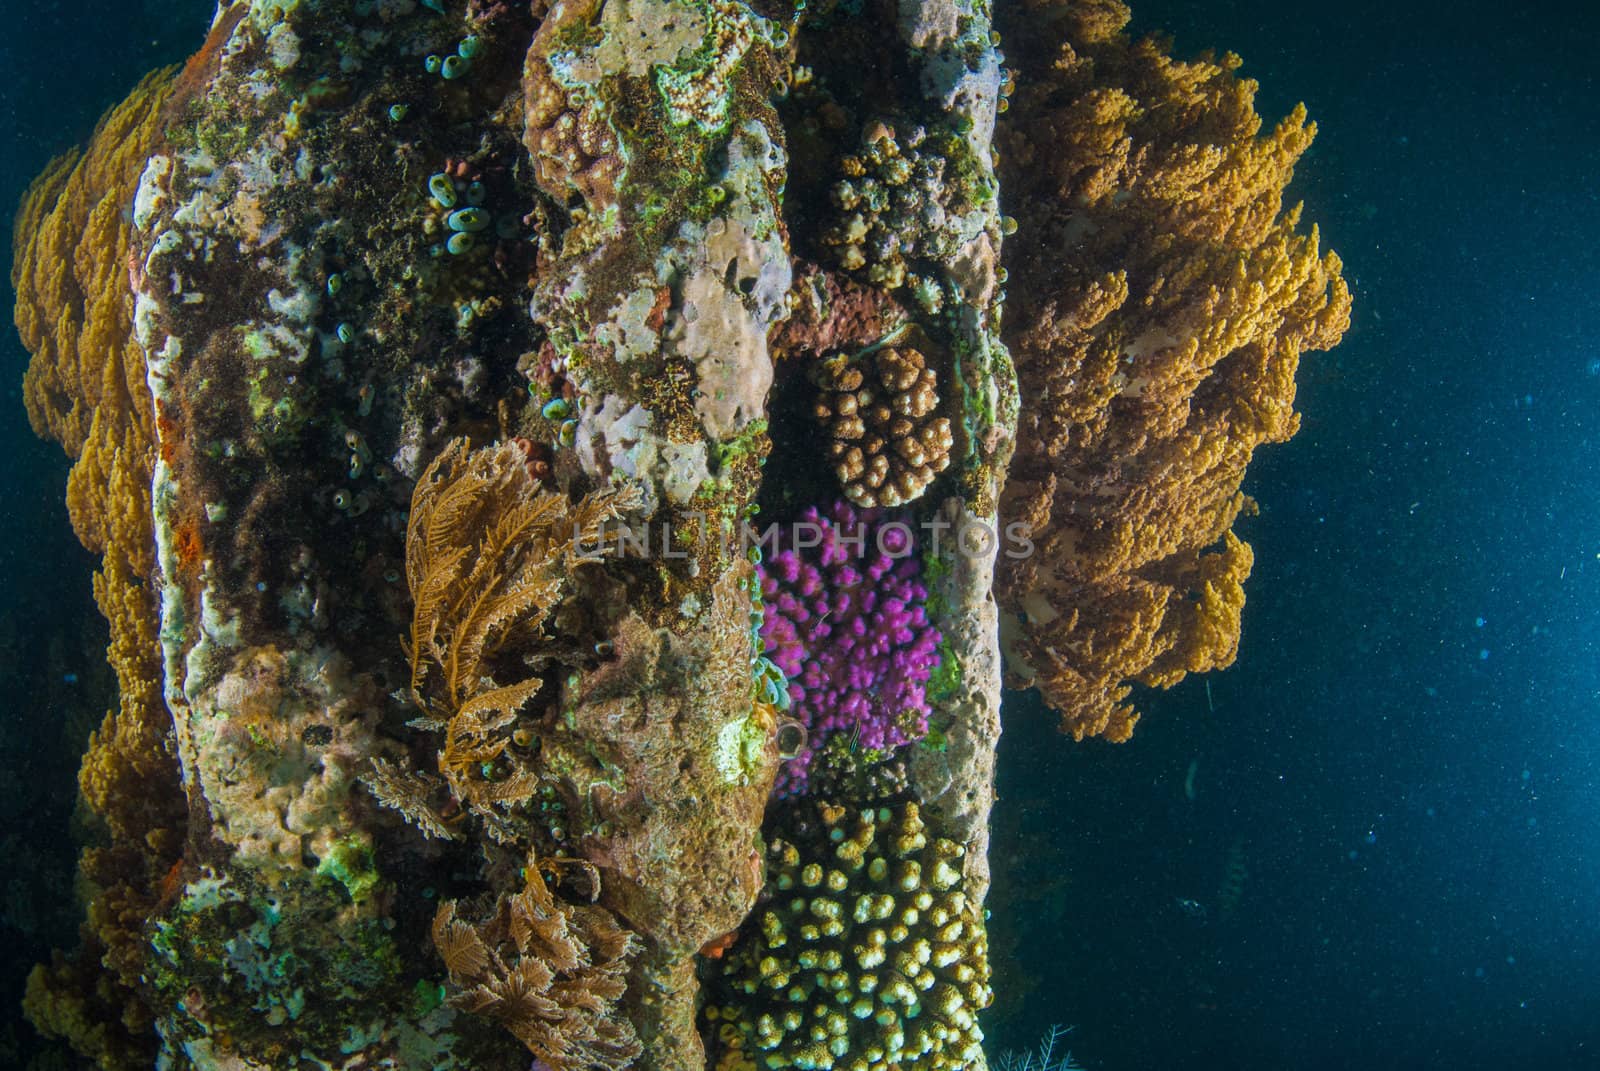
729 535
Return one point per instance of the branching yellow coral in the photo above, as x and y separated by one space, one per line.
1160 300
70 271
85 388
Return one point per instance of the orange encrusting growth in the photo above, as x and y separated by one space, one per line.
85 388
1160 298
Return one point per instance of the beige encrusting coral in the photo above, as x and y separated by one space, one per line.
280 745
1160 301
567 127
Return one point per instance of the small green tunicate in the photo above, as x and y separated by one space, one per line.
436 250
442 189
346 333
398 112
461 242
568 434
470 220
335 284
476 193
1008 225
555 409
341 500
454 67
432 64
357 465
470 46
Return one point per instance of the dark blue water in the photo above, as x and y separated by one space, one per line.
1392 853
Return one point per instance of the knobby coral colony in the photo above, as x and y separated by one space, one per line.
846 623
479 323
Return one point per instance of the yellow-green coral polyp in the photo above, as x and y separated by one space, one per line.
876 958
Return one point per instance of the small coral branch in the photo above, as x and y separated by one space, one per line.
549 972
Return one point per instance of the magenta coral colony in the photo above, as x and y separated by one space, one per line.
845 621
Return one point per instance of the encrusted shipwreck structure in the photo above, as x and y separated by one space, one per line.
550 463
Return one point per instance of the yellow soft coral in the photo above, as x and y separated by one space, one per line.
85 388
70 271
1160 300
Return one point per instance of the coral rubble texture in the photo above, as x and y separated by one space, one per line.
527 333
1161 297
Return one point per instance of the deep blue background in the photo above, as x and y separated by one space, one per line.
1414 796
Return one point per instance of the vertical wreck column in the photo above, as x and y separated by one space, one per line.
493 326
650 121
332 246
957 62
